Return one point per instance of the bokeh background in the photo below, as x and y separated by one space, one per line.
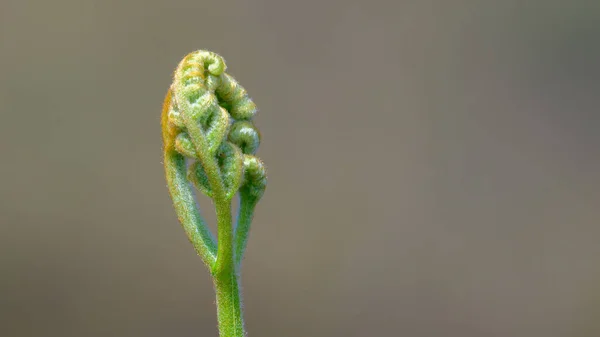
434 167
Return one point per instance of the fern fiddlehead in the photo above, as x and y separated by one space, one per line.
207 122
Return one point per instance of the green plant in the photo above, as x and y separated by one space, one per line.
207 120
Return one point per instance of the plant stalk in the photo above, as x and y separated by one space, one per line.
226 280
244 220
229 305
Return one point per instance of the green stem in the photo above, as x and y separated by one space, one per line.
229 305
224 262
183 198
244 220
229 308
185 206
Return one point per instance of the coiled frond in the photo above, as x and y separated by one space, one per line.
245 135
210 119
210 143
255 177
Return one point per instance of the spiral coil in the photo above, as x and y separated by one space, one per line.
210 119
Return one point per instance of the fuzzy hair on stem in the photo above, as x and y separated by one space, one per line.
209 144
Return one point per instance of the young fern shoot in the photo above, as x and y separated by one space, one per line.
207 123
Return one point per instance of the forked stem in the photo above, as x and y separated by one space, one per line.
207 120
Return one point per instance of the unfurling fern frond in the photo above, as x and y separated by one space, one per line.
210 142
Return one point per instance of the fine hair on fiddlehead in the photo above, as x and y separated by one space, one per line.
210 143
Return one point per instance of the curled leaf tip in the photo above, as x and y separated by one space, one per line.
210 119
245 135
255 177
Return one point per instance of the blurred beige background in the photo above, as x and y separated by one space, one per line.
434 168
